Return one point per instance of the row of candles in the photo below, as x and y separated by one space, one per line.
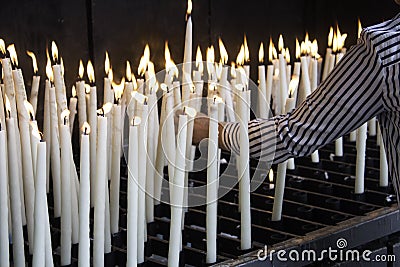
28 158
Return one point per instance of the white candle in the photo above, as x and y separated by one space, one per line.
66 219
305 86
281 176
4 244
212 182
15 199
73 101
93 142
170 133
40 207
176 88
61 97
55 153
143 108
47 131
372 127
198 84
360 161
35 139
2 109
100 191
244 171
262 93
151 145
326 63
84 199
132 213
115 169
82 114
282 82
187 59
177 196
314 85
34 91
27 168
383 167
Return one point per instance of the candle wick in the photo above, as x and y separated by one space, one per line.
9 113
65 120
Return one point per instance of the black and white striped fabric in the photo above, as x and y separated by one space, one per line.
364 84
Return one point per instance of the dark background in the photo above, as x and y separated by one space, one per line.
86 28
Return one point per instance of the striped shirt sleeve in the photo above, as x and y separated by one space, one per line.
351 95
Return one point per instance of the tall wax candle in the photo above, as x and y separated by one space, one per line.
82 114
314 85
283 82
212 182
151 146
73 101
15 199
132 213
93 141
34 91
47 131
55 153
39 254
383 167
177 196
84 199
262 93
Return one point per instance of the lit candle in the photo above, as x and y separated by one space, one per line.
187 55
246 66
132 213
360 160
212 181
314 84
100 187
4 243
35 82
305 86
289 106
262 87
108 97
65 170
93 132
72 109
27 168
115 168
177 184
55 153
84 198
39 253
282 75
328 55
47 130
59 85
15 199
270 77
80 90
197 80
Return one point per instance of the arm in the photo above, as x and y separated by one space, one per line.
351 95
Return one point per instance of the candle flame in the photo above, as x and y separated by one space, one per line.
34 62
13 54
217 99
81 69
128 71
271 176
73 90
335 43
29 109
135 86
54 51
189 8
275 54
90 72
189 111
330 37
169 63
118 88
341 38
144 60
359 28
210 55
314 48
136 121
85 128
298 50
287 55
233 70
199 60
107 64
87 88
223 52
49 70
294 83
270 50
280 43
240 56
246 50
218 69
261 53
8 104
2 46
303 48
65 115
